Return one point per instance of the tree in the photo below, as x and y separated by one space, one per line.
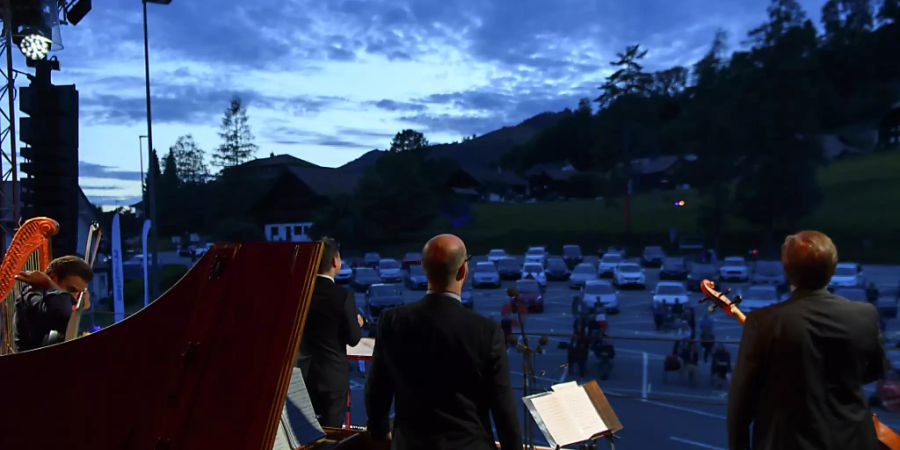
783 15
846 16
237 146
153 173
407 140
706 70
629 79
890 11
190 160
669 82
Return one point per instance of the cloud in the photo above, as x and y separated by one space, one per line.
111 200
99 188
92 170
288 135
391 105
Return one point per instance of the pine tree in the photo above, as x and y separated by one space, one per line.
842 16
783 15
190 160
237 146
630 79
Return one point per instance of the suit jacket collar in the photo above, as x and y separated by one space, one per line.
325 277
799 293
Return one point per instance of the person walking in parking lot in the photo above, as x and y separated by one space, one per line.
443 367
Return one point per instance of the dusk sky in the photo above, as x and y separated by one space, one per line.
328 81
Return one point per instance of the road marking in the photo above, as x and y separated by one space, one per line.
695 443
690 410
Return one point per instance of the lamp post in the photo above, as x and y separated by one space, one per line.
143 186
151 177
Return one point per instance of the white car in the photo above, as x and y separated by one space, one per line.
485 274
390 271
608 264
600 292
536 255
629 274
756 297
734 268
670 292
496 254
534 271
345 274
581 274
848 274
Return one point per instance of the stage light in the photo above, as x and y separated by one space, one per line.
680 203
34 46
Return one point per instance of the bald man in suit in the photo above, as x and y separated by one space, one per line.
443 366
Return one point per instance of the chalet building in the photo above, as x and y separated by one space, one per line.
659 172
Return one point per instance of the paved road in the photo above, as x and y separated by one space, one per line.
673 413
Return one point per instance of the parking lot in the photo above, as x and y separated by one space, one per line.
657 410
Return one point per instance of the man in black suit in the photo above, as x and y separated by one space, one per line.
331 324
442 365
802 363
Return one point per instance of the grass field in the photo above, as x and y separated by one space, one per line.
859 209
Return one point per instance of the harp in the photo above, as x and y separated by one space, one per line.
206 365
28 250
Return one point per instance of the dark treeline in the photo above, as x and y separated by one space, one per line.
753 119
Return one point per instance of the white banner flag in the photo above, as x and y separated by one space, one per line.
144 234
118 277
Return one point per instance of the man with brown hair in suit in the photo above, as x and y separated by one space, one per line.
331 324
443 366
802 363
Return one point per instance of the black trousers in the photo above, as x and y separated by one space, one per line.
330 407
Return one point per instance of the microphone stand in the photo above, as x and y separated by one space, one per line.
527 370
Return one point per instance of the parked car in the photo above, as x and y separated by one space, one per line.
536 254
531 294
389 270
608 264
699 272
345 274
466 296
534 271
485 274
768 272
572 254
854 294
600 292
381 296
496 254
411 259
629 274
673 268
847 274
734 268
887 299
416 280
581 274
187 250
508 268
371 259
653 256
364 277
557 270
670 293
690 244
755 297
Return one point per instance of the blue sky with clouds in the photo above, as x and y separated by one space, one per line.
328 81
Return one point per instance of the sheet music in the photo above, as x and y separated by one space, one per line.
365 348
561 386
568 414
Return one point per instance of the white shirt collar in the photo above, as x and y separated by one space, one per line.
325 276
452 295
